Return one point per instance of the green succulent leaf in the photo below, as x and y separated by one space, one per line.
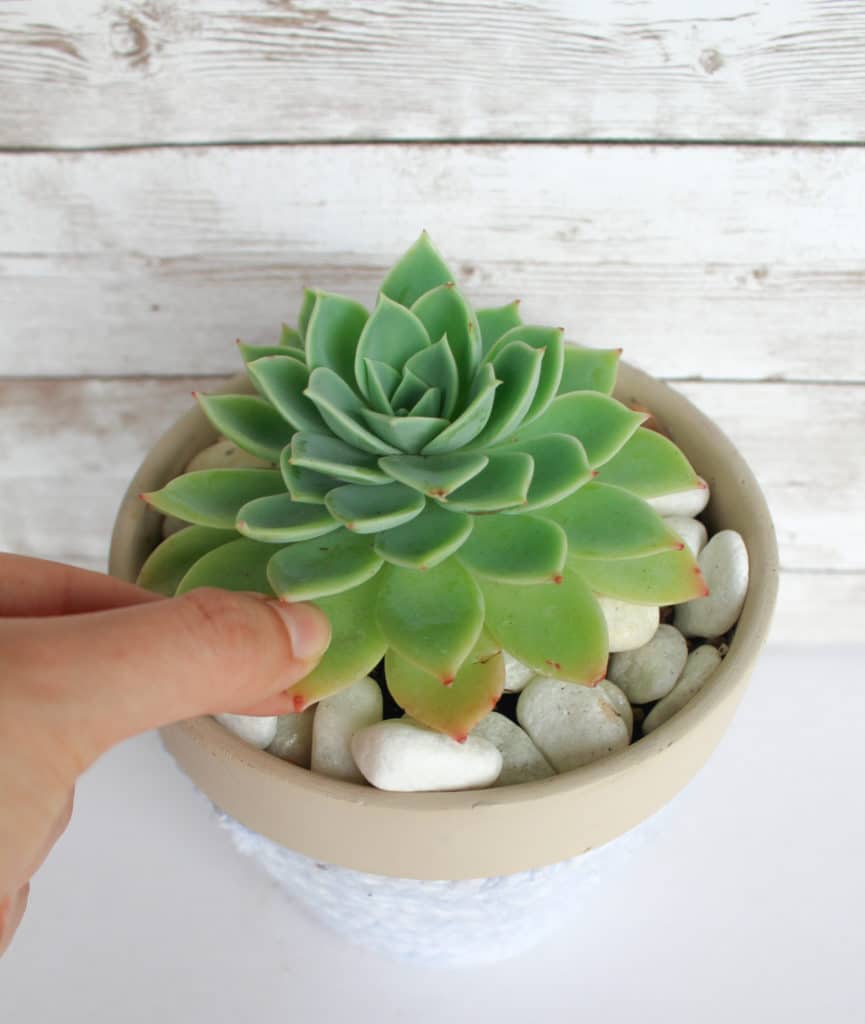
340 408
212 497
435 475
290 338
436 367
497 321
356 645
408 393
238 565
249 353
515 549
169 563
433 618
444 312
282 380
374 509
381 382
599 422
557 629
333 332
278 519
335 458
548 341
311 569
561 467
503 483
589 369
472 419
310 297
424 542
250 422
405 433
305 485
518 369
649 465
607 522
429 404
454 709
669 577
418 271
392 335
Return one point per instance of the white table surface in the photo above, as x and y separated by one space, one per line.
747 908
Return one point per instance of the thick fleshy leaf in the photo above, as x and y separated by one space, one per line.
381 382
435 475
332 335
669 577
310 297
444 312
599 422
392 335
601 521
649 465
408 393
305 485
374 509
453 709
561 467
436 367
497 321
327 565
238 565
340 408
424 542
515 549
332 457
549 341
251 423
279 520
171 561
282 380
518 368
429 404
356 645
405 433
212 497
557 629
503 483
416 272
433 618
249 353
589 369
290 338
472 420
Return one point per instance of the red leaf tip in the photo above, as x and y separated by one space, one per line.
595 472
448 681
679 547
702 485
298 703
558 578
462 737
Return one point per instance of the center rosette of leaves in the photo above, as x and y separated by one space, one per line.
445 485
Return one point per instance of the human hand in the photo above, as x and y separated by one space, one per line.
87 661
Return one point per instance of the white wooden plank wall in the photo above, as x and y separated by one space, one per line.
171 173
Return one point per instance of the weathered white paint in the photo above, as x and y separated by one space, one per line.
702 262
70 448
91 73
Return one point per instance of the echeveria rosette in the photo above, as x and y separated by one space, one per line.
446 484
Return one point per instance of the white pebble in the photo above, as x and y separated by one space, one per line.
629 625
651 671
516 674
293 740
724 564
692 532
337 719
401 756
620 702
700 665
521 759
682 503
256 730
571 725
225 455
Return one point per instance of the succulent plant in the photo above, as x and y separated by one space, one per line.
445 484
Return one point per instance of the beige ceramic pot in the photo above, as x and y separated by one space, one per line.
493 832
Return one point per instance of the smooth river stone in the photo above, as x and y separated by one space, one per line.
517 675
293 740
620 702
651 671
521 759
337 719
699 667
692 532
571 725
682 503
629 625
724 564
400 756
256 730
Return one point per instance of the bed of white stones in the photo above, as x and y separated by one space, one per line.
656 667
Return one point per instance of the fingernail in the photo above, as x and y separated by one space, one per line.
308 628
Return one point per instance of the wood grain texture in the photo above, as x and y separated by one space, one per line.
95 73
702 262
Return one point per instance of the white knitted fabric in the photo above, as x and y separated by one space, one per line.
442 922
